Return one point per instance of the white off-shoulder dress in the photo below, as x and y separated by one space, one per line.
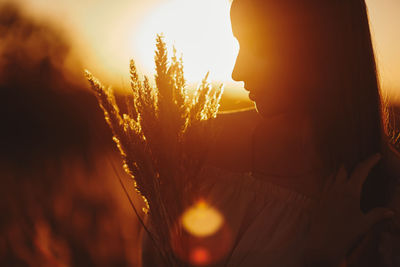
268 222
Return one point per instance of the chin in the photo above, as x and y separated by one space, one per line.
262 110
267 109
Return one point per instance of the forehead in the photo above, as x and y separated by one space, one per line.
260 8
244 17
246 9
254 17
271 16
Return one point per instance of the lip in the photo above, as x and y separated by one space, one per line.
252 96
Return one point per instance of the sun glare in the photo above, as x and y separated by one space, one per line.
199 29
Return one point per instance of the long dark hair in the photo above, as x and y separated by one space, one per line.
334 41
351 117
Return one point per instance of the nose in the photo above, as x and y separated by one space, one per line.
237 72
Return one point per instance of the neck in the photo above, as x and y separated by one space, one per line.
284 146
294 124
284 151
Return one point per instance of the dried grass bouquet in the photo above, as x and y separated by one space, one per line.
158 141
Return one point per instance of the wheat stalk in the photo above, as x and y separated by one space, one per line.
155 140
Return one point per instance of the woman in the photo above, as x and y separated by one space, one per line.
282 180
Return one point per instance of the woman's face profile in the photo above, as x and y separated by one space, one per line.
270 61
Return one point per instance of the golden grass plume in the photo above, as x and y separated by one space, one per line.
157 139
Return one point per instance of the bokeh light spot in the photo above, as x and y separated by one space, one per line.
202 220
200 256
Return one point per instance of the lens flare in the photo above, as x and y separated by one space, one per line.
201 236
200 256
202 220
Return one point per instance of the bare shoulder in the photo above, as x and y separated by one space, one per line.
232 149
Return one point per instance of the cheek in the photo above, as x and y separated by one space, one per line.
250 67
275 76
274 72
